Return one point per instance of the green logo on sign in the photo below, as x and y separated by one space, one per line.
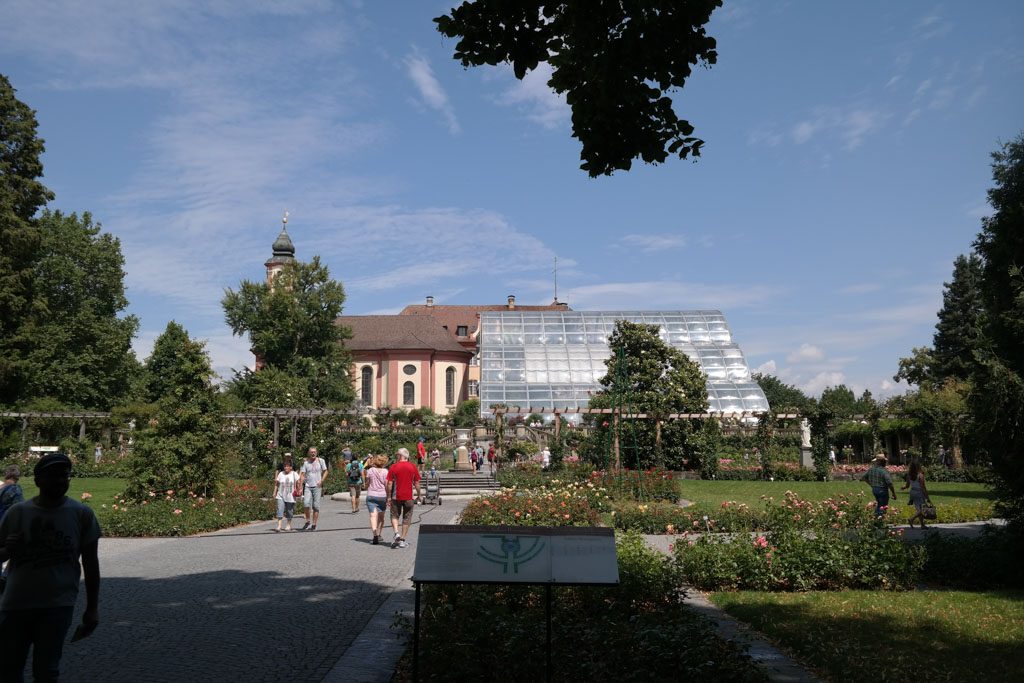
515 551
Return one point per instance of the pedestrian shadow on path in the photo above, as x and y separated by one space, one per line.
224 625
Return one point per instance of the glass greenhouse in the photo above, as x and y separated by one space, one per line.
556 358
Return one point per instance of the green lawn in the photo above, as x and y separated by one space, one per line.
713 493
885 636
102 489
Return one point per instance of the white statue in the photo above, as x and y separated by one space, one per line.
805 433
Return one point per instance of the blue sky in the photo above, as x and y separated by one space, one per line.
845 166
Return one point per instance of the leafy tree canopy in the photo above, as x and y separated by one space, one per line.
21 196
838 401
997 401
782 397
77 345
918 369
467 413
646 375
181 449
958 331
292 326
614 61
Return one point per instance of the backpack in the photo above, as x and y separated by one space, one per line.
354 472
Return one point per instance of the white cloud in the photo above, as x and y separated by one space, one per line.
650 243
535 97
861 288
821 381
806 352
430 90
766 368
668 295
850 124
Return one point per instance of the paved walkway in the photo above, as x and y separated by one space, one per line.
246 604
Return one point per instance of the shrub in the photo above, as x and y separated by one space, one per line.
177 513
993 560
635 631
571 505
789 559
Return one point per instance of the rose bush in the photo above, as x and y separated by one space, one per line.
183 513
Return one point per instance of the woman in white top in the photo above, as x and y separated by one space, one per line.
284 494
377 495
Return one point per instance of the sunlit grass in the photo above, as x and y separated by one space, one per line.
913 636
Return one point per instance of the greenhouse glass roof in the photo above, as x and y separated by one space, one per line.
555 359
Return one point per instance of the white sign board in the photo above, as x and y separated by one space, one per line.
503 554
44 449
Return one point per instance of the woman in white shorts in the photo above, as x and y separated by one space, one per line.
284 494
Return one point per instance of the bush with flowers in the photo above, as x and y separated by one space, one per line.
182 513
841 512
790 559
560 504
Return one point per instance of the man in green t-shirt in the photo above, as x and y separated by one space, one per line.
49 540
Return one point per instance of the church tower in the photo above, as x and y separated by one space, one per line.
284 251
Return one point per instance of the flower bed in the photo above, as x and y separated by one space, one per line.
172 513
563 504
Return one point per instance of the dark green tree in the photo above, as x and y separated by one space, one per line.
958 331
615 62
293 327
782 397
467 413
162 361
77 340
21 197
646 375
182 448
839 401
918 369
997 398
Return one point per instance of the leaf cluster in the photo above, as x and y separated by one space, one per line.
614 61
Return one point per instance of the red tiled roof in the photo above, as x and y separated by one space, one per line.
455 316
383 332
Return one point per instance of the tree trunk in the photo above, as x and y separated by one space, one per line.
615 440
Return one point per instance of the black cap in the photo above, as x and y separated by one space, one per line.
50 460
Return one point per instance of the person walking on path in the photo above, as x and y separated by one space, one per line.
492 455
311 478
490 460
880 481
50 540
285 485
354 474
918 490
421 455
402 478
377 495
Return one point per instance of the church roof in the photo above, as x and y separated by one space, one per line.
283 245
454 317
394 332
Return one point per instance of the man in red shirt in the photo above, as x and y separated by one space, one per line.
402 477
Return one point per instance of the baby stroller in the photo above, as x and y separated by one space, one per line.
433 488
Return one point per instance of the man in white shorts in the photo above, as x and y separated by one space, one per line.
312 475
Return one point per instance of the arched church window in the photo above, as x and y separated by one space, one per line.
449 386
408 393
367 386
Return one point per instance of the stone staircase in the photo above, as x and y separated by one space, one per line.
454 482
